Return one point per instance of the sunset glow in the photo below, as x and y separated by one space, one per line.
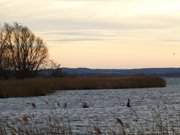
103 33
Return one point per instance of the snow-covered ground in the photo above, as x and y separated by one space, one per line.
104 107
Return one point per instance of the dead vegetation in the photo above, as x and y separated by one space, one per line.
55 126
43 86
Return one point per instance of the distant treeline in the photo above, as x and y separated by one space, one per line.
164 72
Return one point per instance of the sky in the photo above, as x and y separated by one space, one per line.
102 33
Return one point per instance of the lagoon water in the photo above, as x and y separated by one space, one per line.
103 108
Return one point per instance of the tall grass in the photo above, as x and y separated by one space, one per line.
54 126
43 86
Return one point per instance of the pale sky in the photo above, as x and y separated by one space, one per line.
103 33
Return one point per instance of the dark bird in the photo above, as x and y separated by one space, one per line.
128 103
65 105
120 122
85 105
33 105
58 104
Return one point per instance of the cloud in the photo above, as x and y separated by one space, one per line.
84 33
78 35
92 19
128 24
75 39
151 27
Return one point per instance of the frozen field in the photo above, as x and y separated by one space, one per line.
104 107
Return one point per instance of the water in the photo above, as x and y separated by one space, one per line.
104 107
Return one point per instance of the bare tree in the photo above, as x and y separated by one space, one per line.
25 51
56 68
4 53
2 48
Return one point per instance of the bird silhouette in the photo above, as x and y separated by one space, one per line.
65 105
120 122
33 105
128 103
58 104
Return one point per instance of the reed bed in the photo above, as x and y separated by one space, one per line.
43 86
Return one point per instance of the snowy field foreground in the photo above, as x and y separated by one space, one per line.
83 110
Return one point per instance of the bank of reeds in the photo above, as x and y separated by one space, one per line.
43 86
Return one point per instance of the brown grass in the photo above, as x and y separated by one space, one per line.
42 86
54 126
